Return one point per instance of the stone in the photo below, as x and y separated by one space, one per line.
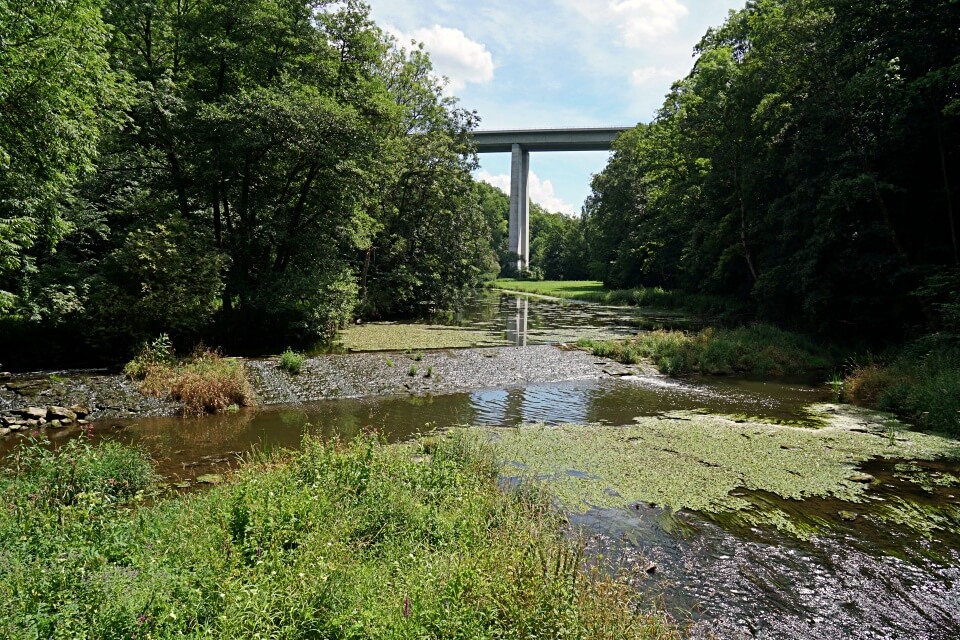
80 410
849 516
55 412
4 431
83 422
865 478
5 375
32 423
27 388
33 413
66 421
210 478
54 424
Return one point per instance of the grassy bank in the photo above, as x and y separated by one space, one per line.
652 297
757 349
359 541
921 382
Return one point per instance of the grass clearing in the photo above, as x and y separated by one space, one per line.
652 297
334 541
758 349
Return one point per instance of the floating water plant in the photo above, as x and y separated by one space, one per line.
686 460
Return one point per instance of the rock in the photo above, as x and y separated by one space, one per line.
32 424
66 421
182 485
82 422
33 413
80 410
849 516
210 478
54 424
5 375
4 431
865 478
27 388
55 412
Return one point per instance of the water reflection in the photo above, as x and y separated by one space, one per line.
517 323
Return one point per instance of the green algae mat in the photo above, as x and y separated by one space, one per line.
390 336
709 463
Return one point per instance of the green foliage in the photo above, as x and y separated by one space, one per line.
291 361
279 164
77 474
355 541
920 383
805 166
758 349
163 278
57 95
151 354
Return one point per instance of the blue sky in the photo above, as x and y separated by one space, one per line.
555 63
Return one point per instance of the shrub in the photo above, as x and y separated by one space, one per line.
921 384
209 383
206 382
291 361
151 354
759 349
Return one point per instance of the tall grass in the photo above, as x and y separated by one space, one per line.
920 383
757 349
205 382
356 541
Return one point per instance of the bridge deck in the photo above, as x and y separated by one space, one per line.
598 139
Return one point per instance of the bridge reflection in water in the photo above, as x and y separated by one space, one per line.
517 323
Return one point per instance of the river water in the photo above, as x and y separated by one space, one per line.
717 577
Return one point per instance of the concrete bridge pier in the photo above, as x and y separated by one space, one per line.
520 205
519 143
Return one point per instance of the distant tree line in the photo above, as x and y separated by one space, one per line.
235 169
809 163
558 245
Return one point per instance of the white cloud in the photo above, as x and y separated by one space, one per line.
639 21
453 54
541 191
649 75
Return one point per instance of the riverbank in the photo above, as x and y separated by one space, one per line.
408 372
347 541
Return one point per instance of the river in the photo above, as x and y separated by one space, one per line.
864 577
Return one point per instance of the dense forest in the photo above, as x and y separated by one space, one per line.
808 164
243 170
247 171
